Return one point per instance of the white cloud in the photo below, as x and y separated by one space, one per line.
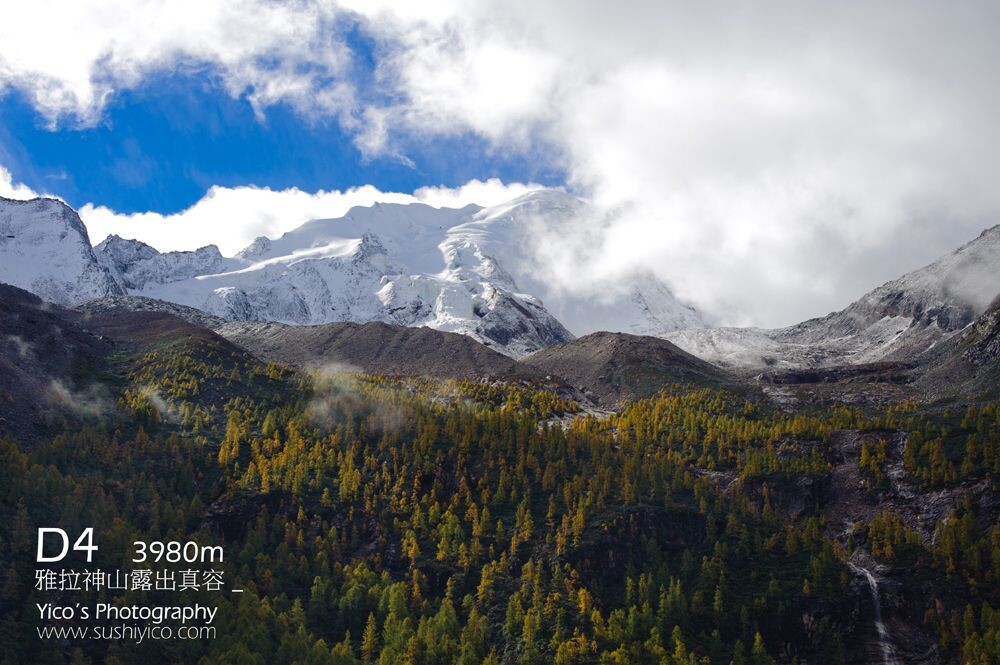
70 56
770 161
484 193
14 190
231 217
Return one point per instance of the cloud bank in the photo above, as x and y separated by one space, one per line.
770 161
231 217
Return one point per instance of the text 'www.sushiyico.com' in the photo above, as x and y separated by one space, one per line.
136 634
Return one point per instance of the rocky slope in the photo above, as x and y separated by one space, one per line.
478 272
612 368
118 304
48 365
901 320
372 347
385 263
135 264
62 367
44 248
967 365
983 339
471 270
964 366
467 270
376 348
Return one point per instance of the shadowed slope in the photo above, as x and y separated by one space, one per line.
48 365
376 348
615 367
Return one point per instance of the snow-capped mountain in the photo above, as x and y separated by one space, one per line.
509 234
44 248
468 270
474 271
133 264
899 320
389 263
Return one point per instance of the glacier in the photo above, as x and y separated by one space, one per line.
468 270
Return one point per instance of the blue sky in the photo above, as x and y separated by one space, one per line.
160 146
768 165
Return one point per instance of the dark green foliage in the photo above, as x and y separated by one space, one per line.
374 520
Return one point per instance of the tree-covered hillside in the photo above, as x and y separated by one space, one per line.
373 519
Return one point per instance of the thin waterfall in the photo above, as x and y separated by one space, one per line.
885 642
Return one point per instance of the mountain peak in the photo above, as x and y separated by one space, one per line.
260 246
125 250
992 232
467 270
44 248
900 320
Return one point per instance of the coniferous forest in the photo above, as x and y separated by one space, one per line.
376 519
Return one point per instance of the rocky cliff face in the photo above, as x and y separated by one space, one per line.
984 337
471 270
44 248
135 264
900 320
